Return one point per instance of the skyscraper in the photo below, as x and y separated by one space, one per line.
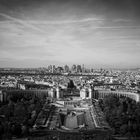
66 68
74 68
79 68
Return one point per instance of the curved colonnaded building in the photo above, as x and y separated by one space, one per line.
71 116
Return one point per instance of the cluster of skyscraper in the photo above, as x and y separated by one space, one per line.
67 69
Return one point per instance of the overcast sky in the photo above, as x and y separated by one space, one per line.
97 33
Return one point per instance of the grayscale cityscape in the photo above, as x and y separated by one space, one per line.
69 69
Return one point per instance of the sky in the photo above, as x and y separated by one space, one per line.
97 33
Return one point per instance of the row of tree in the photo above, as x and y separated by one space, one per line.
19 115
122 114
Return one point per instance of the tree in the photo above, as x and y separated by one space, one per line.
124 129
20 113
16 129
71 84
122 114
1 129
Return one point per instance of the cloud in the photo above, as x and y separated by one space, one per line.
90 32
67 21
22 22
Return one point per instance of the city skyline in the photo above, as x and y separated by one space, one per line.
97 33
